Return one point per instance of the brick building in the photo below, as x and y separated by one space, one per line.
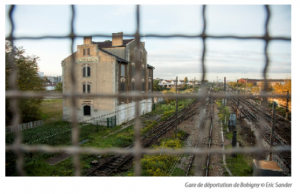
107 67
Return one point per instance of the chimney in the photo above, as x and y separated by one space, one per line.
117 39
87 40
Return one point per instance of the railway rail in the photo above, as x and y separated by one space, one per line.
118 163
192 157
257 114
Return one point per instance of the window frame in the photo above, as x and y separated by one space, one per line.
86 88
86 70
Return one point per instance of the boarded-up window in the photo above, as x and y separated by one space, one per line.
123 70
122 88
133 86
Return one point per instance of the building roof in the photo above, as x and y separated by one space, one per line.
108 44
118 58
150 66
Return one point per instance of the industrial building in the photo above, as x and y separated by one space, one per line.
107 67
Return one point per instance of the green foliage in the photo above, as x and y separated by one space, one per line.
156 87
150 125
27 80
59 87
159 165
238 165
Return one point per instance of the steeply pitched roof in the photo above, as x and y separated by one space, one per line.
108 44
118 58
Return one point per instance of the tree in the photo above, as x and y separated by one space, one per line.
156 87
59 87
27 80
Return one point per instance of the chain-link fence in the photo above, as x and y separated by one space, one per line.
137 150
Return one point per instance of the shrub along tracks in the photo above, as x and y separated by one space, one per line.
121 162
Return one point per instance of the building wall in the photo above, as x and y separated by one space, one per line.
102 80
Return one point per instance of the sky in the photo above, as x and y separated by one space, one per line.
171 57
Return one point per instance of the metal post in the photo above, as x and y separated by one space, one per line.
233 141
287 106
176 110
194 82
272 132
224 91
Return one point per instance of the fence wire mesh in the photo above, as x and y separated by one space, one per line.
14 94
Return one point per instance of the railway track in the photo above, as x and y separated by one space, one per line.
120 162
259 115
192 157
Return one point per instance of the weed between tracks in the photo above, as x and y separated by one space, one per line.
241 165
160 165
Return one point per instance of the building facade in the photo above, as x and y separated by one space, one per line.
107 67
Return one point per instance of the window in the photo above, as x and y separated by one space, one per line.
133 70
150 72
86 71
143 86
122 87
141 55
132 86
143 72
86 88
87 110
86 51
149 86
123 70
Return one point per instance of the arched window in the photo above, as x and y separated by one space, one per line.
86 71
87 110
86 88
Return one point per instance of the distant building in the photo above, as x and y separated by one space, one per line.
54 79
50 85
259 82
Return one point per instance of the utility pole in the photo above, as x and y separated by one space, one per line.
272 132
287 106
176 110
224 90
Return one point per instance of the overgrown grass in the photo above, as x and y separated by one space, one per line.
168 109
238 165
52 110
35 164
121 139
